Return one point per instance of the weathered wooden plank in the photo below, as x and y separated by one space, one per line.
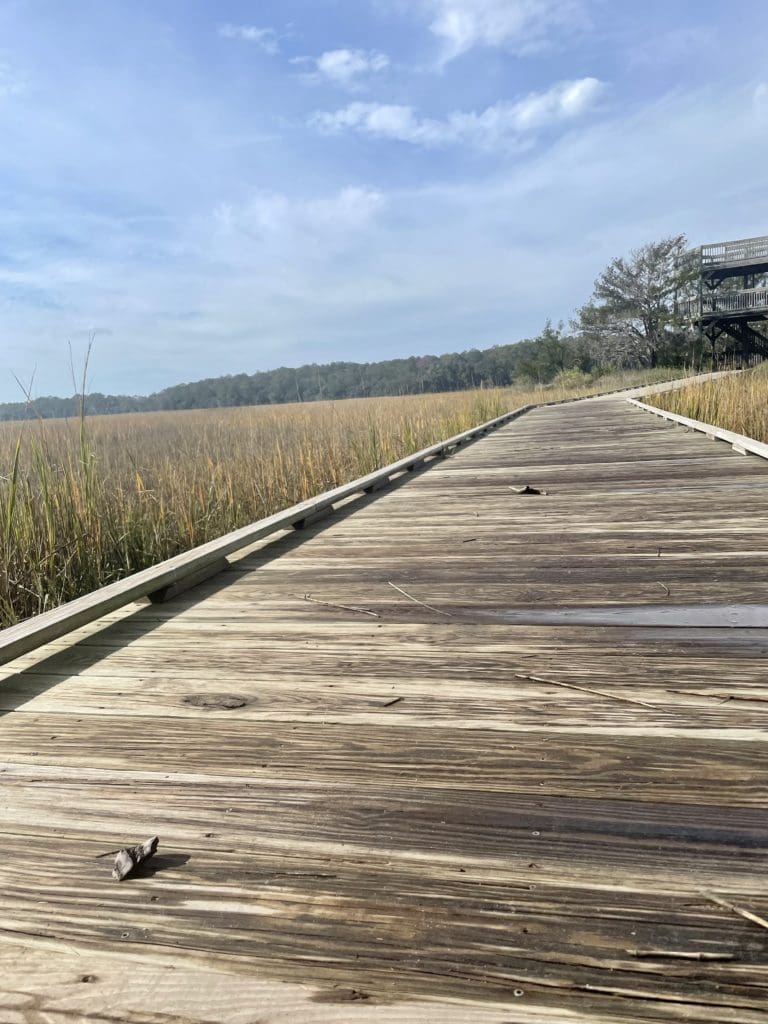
507 838
49 981
349 675
640 762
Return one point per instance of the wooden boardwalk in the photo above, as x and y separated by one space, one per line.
468 810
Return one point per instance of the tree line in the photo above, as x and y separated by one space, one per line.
629 322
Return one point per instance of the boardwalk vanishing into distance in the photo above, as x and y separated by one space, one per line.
456 755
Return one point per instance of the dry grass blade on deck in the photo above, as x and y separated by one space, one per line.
721 698
342 607
747 914
417 601
674 954
587 689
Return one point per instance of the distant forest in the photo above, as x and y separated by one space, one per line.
538 360
496 366
628 323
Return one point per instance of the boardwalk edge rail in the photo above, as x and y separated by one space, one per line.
206 560
739 442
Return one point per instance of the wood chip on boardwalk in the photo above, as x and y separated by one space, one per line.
129 858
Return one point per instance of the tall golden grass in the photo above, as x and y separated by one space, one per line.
738 402
86 502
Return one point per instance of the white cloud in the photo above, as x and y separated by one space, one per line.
522 25
264 38
275 216
493 127
345 67
563 101
384 120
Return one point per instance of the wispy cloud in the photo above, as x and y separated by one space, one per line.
489 129
275 215
10 84
344 67
760 99
264 38
521 25
674 47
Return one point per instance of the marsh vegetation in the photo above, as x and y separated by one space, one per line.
738 402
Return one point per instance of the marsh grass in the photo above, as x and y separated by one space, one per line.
86 502
738 402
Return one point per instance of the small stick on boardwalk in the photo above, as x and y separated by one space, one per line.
674 954
747 914
417 601
681 954
587 689
342 607
721 698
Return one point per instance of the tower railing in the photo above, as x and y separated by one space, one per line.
741 251
727 302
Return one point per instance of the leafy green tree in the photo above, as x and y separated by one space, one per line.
540 359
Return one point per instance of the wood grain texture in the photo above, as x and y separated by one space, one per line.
489 849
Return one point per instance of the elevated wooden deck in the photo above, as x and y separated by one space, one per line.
472 809
747 303
743 254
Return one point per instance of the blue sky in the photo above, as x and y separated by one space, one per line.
226 187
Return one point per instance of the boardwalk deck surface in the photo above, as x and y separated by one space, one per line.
382 817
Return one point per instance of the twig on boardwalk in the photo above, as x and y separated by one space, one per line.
754 918
417 601
391 703
664 587
721 698
673 954
343 607
586 689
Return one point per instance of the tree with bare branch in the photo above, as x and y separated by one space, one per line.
632 306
